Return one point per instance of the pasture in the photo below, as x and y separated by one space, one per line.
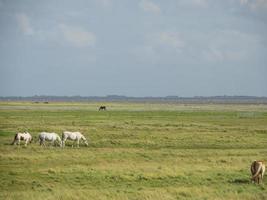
136 151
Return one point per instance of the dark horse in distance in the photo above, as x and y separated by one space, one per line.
102 108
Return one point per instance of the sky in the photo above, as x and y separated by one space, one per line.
133 47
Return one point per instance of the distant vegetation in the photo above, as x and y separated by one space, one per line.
117 98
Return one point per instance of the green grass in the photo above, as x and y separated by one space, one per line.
137 151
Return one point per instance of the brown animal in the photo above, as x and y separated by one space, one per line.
22 136
257 171
102 108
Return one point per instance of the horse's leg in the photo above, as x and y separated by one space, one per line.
73 143
26 141
63 142
78 141
50 143
59 143
14 142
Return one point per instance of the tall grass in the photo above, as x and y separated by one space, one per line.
136 151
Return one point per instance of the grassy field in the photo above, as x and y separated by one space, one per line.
136 151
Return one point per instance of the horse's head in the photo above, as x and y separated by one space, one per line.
59 140
30 137
85 141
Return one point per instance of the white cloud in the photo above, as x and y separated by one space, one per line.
243 2
149 6
229 45
172 39
200 2
145 53
254 4
105 3
77 36
159 47
213 54
24 24
196 3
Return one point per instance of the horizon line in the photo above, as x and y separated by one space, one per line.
124 96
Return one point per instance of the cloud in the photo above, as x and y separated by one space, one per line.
195 3
243 2
229 45
105 3
200 2
214 55
146 54
159 46
149 6
77 36
172 39
254 4
24 24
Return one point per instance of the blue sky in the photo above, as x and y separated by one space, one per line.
133 47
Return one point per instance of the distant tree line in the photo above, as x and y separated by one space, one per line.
117 98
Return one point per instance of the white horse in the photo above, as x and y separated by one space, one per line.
75 136
53 137
22 136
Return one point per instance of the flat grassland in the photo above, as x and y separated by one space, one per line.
137 151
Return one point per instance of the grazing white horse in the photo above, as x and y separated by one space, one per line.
22 136
75 136
53 137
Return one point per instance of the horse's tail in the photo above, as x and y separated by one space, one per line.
258 170
62 139
39 139
15 138
62 136
31 138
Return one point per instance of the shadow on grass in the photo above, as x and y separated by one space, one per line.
16 145
240 181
